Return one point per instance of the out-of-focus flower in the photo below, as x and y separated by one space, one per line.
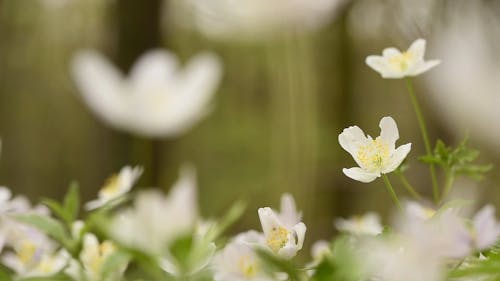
256 19
93 256
33 255
394 64
394 260
156 220
115 186
374 156
238 262
284 232
368 224
320 249
485 229
157 99
417 210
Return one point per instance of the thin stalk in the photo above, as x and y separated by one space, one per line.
448 184
425 136
391 191
409 187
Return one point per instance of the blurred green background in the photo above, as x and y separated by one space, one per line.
279 109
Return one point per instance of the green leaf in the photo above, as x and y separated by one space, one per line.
115 263
231 217
276 264
48 225
57 277
71 201
56 208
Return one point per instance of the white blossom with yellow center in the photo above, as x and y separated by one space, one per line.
284 232
115 186
396 64
374 156
368 224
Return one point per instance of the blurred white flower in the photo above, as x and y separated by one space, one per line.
33 255
419 211
238 262
157 99
320 249
374 156
485 229
255 19
394 64
368 224
93 255
156 220
284 232
115 186
392 259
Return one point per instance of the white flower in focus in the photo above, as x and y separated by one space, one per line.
156 220
157 99
284 233
238 262
93 256
255 19
374 156
396 64
115 186
368 224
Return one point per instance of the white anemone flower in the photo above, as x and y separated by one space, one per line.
368 224
396 64
94 255
485 229
284 232
116 186
374 156
156 220
256 19
239 262
157 99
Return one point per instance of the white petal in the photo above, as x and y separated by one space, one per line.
423 67
389 131
377 63
391 52
486 227
397 157
153 68
268 220
351 139
300 230
288 213
5 194
417 48
361 175
101 86
94 204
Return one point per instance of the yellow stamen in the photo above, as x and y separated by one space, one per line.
374 155
402 61
277 238
247 266
112 186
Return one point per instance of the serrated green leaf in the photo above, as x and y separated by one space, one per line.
48 225
71 201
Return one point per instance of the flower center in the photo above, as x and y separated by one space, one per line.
278 238
27 252
403 61
374 155
112 186
247 266
46 265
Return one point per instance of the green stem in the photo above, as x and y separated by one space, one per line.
391 191
425 136
448 184
409 187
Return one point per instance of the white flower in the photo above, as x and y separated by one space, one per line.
33 255
418 211
93 256
284 233
115 186
394 64
256 19
368 224
156 220
157 99
485 229
374 156
238 262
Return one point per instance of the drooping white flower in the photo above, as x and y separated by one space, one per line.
255 19
157 99
396 64
239 262
156 220
368 224
115 186
284 232
374 156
